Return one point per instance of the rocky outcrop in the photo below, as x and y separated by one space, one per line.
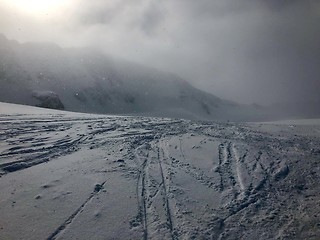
48 99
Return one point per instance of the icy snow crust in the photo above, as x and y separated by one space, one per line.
80 176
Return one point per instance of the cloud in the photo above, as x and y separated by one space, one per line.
245 50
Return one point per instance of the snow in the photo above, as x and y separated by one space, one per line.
10 108
314 121
69 175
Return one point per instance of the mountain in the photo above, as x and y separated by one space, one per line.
86 80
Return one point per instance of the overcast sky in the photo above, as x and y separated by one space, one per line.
261 51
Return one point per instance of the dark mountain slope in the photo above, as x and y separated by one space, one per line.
86 80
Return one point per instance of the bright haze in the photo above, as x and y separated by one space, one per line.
249 51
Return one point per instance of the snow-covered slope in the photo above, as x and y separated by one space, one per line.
69 175
86 80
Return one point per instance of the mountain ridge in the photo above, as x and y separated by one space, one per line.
86 80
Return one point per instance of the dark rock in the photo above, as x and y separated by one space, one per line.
98 187
48 99
281 173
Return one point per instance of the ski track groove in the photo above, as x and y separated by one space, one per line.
221 160
225 168
238 161
49 154
145 199
161 157
63 227
141 192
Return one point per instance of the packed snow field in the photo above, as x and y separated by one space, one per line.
80 176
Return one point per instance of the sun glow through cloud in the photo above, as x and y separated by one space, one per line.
35 7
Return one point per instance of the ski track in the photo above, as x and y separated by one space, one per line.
246 164
59 231
166 184
141 192
147 183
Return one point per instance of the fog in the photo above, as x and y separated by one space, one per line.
249 51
